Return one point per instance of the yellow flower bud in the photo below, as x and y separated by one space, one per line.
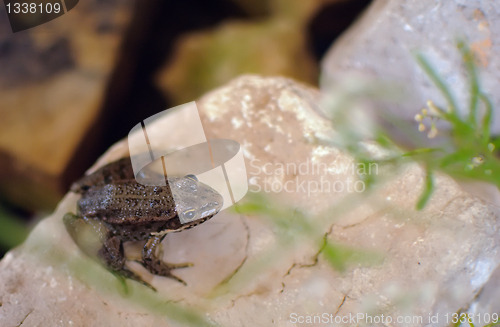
434 110
433 132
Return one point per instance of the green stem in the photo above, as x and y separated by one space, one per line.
431 73
468 58
429 188
486 119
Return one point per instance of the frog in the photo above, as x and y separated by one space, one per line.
119 209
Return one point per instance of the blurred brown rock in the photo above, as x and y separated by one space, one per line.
52 86
275 45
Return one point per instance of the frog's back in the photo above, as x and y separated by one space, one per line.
117 171
123 201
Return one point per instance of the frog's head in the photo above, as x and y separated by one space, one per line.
195 202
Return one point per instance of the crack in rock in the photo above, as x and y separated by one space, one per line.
374 215
245 295
22 321
315 257
175 301
235 271
342 303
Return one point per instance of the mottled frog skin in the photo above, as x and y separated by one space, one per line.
119 210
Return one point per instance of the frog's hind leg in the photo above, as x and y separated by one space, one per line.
113 257
151 262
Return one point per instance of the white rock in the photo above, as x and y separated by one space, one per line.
435 261
380 44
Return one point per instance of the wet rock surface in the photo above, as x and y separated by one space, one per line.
433 262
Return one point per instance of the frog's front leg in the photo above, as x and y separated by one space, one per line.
151 262
112 255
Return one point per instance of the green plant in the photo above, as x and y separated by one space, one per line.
465 149
468 151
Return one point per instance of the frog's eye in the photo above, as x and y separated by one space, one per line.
189 214
193 177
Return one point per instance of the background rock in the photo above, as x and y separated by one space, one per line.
273 45
381 43
435 261
52 87
284 38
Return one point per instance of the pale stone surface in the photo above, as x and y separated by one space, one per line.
381 43
435 261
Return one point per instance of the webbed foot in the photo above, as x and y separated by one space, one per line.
126 273
156 266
